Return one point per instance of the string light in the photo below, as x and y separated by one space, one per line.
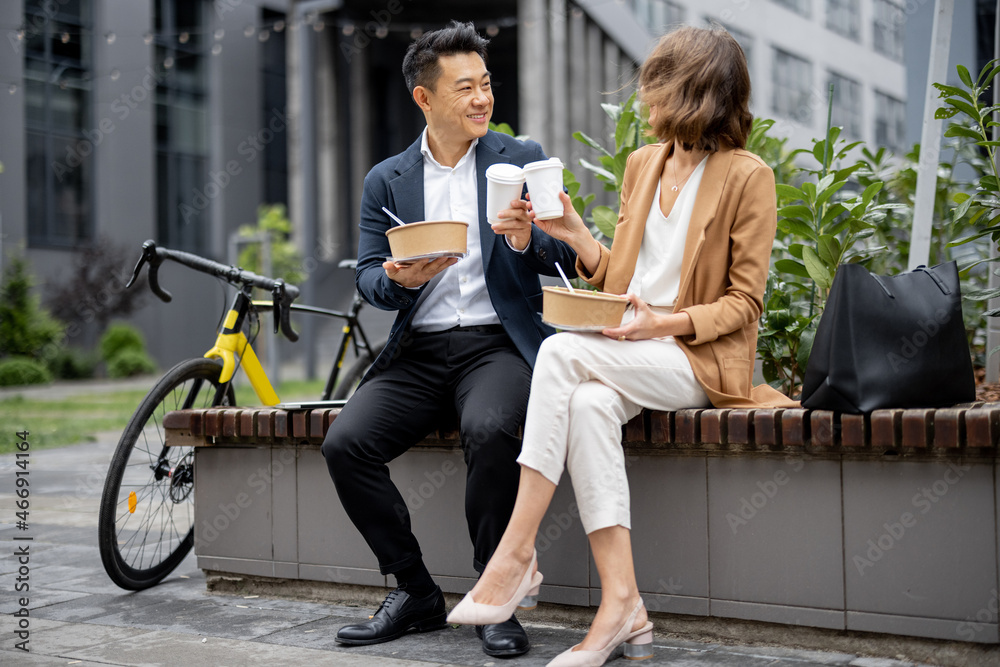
318 21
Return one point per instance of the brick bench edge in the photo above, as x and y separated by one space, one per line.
972 429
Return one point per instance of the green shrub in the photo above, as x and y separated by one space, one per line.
15 371
130 362
120 338
25 327
68 363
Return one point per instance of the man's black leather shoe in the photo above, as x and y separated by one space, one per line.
503 639
398 613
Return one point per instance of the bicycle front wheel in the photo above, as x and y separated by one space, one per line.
146 521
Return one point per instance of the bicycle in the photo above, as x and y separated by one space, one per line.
146 519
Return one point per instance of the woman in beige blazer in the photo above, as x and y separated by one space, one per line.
691 251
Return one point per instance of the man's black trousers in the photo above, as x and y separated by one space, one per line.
474 375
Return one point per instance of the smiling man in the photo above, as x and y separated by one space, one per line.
463 343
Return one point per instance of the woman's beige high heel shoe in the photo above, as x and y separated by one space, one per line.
638 646
470 612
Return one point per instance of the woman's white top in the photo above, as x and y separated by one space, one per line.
657 277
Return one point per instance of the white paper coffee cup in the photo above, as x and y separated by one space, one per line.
545 182
504 183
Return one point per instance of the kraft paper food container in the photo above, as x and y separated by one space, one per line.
581 310
432 238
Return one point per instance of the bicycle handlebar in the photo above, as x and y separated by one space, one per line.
282 293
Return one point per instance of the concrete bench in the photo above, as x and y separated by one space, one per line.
883 523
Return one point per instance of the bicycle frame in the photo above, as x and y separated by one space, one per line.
350 332
231 343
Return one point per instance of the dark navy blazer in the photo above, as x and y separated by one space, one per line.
511 278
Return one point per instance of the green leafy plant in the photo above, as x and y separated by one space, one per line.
69 363
286 260
26 328
631 132
130 362
977 209
119 338
984 201
17 371
124 352
824 221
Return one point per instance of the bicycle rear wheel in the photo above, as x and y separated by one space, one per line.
351 378
146 522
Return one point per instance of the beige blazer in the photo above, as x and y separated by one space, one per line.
724 268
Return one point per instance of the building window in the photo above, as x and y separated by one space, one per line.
658 15
844 18
58 166
846 104
275 98
887 30
890 122
792 86
184 191
803 7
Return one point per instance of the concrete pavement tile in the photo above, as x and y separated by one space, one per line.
69 637
204 617
37 599
778 652
32 660
44 555
170 649
93 606
880 662
55 534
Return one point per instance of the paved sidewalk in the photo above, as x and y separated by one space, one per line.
78 617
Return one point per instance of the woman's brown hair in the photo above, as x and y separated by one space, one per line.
697 79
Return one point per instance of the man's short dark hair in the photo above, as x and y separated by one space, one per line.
421 66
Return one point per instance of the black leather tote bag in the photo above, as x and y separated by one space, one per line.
890 342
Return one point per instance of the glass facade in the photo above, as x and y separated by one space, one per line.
887 28
890 122
844 18
791 86
846 104
183 191
59 141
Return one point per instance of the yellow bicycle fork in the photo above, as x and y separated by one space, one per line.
232 344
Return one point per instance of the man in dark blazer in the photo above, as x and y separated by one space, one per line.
464 340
